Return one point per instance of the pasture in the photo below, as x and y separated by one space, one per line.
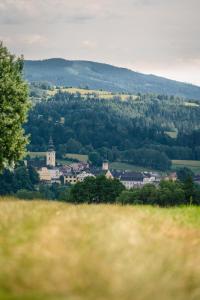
51 250
79 157
93 93
129 167
194 165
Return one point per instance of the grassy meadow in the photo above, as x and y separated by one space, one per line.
51 250
129 167
88 92
80 157
194 165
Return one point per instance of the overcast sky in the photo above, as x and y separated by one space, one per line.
150 36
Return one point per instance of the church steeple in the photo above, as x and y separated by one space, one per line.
51 145
51 154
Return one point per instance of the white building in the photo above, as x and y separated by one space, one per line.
81 177
49 175
105 166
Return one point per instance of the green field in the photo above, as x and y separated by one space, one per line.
36 154
80 157
129 167
51 250
194 165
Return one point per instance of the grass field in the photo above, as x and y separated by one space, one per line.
54 251
129 167
36 154
194 165
98 93
191 104
80 157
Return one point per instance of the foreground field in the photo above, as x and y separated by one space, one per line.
55 251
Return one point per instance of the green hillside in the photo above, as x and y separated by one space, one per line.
148 131
98 76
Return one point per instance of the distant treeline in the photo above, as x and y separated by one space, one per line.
130 131
167 193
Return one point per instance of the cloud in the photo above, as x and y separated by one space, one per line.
47 11
148 35
89 44
25 40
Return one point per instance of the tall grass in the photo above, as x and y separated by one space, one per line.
51 250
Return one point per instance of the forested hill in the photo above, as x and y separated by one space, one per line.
102 76
147 131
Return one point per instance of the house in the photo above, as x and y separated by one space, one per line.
79 166
171 176
99 172
44 174
102 171
49 175
65 169
149 178
132 179
135 179
197 178
70 178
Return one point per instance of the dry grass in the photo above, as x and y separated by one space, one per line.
51 250
80 157
97 93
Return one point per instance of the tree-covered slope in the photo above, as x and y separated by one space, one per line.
133 131
103 76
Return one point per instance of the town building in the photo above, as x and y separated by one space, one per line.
105 166
70 178
131 179
171 176
197 178
82 176
102 171
49 175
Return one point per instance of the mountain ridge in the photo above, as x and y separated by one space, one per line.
95 75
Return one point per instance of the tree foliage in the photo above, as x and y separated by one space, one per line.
132 131
96 190
14 106
168 193
18 179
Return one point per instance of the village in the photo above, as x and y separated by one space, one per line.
52 172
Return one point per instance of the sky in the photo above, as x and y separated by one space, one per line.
151 36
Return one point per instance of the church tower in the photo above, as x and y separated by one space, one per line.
51 154
105 165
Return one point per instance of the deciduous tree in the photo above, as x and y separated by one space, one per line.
14 106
